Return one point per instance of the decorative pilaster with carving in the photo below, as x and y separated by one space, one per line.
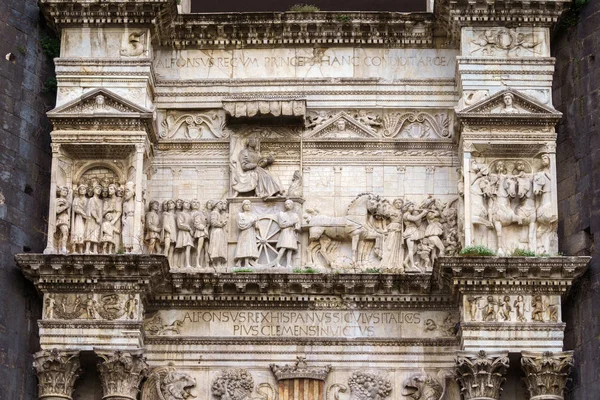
546 374
57 372
481 374
121 374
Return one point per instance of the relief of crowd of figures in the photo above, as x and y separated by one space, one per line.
511 206
107 306
511 308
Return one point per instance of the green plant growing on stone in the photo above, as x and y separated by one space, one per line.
373 271
22 50
523 253
242 270
307 270
304 8
50 85
50 46
477 251
343 18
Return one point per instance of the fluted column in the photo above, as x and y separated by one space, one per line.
546 373
57 372
481 374
121 374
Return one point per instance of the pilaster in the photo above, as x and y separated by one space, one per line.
57 372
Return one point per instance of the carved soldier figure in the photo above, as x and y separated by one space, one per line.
246 250
63 218
169 230
412 232
254 177
425 252
200 225
93 221
289 223
153 228
78 220
90 307
185 240
128 217
393 247
218 235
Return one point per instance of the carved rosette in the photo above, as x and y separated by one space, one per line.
481 374
121 374
546 374
57 372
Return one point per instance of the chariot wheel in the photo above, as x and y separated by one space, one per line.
267 235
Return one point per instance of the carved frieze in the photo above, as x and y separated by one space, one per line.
300 370
546 374
271 107
505 42
512 308
193 126
57 372
481 374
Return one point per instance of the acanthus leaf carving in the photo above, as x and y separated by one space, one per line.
546 374
57 372
206 125
416 125
481 374
121 373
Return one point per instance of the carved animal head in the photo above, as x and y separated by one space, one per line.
539 183
422 386
510 186
177 386
523 186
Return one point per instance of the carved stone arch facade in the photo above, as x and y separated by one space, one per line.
253 217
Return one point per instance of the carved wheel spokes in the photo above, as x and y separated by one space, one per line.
267 235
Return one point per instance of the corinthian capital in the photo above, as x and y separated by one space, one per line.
546 373
121 374
57 372
481 374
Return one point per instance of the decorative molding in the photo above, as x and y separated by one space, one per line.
300 370
481 374
57 372
546 374
184 125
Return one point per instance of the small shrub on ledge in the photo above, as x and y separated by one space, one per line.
242 270
477 251
373 271
523 253
306 270
304 8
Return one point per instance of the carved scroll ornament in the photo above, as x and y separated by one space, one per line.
193 126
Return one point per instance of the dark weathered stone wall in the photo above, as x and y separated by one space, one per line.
24 184
577 95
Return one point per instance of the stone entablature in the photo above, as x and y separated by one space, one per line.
232 193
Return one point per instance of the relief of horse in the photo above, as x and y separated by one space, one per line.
359 226
526 210
502 212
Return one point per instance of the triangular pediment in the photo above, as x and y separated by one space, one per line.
342 126
98 103
509 102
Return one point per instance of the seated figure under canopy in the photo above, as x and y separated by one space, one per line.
250 174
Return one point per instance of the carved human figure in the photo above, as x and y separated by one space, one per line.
505 309
295 188
169 231
508 107
100 103
425 250
108 232
367 119
254 177
393 245
489 310
93 221
473 306
200 227
289 223
412 233
537 309
246 250
318 119
131 306
185 241
501 211
526 210
546 217
434 229
519 306
63 218
340 125
78 219
50 306
210 206
128 218
218 235
153 228
89 306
